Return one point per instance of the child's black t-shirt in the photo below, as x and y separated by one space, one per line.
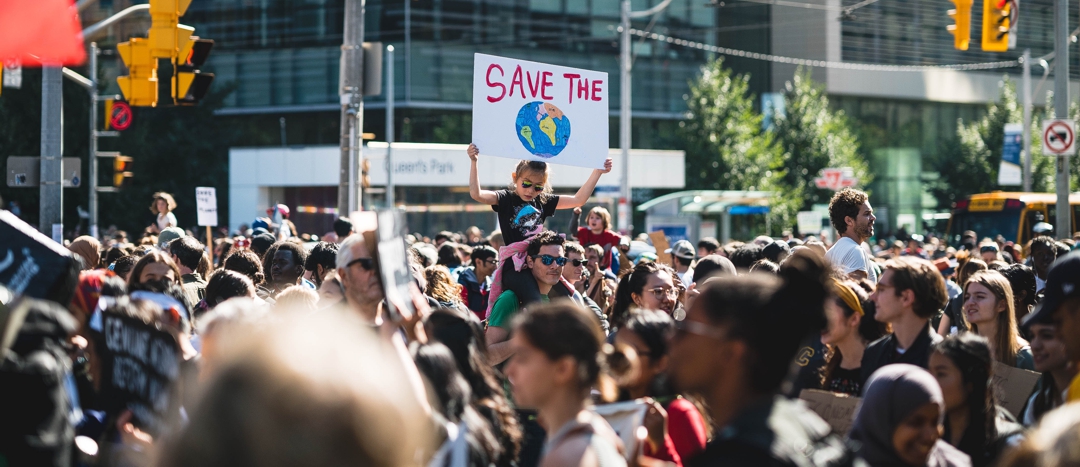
520 220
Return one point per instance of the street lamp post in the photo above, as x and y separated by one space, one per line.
626 62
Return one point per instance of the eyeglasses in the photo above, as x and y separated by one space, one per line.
491 261
366 263
664 292
989 249
577 263
527 184
548 259
701 329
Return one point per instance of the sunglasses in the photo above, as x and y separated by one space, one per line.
989 249
527 184
577 263
366 263
548 259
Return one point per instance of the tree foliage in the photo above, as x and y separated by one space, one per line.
726 148
969 164
811 137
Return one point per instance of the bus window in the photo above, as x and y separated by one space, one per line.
1034 216
986 224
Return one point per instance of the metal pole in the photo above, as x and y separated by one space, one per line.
1061 110
93 162
624 214
351 82
389 126
52 127
1026 89
408 51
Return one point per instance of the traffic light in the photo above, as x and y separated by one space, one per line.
961 29
121 170
140 86
189 85
167 36
995 25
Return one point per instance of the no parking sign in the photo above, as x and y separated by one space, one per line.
1059 137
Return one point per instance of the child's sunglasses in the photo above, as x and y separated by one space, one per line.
527 184
548 259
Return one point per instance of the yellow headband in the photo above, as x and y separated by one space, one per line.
848 296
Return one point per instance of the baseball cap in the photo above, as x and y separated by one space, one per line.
168 235
682 249
1062 283
281 208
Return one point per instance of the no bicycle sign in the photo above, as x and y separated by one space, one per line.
536 111
1059 137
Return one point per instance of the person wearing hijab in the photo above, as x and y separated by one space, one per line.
89 249
900 419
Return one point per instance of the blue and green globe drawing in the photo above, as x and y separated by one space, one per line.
543 129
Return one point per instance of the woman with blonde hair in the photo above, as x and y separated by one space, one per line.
989 307
954 311
441 287
163 206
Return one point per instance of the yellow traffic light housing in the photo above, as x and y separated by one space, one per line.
961 27
121 170
140 86
995 25
167 36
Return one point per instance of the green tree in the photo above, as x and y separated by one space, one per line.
812 137
969 164
726 148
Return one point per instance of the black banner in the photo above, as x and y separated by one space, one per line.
31 264
140 366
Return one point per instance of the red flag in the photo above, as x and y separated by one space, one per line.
41 31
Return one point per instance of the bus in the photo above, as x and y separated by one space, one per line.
1009 214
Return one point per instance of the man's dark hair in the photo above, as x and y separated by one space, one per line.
444 235
188 251
1043 241
225 284
745 256
342 227
543 239
482 253
448 255
711 245
683 261
921 277
245 262
299 254
324 254
261 242
845 203
125 264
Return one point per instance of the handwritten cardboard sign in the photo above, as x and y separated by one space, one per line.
536 111
625 418
659 240
140 365
1013 386
394 263
838 410
206 204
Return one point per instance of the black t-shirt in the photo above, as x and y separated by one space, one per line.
520 220
845 381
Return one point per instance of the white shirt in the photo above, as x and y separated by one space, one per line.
849 257
166 221
687 277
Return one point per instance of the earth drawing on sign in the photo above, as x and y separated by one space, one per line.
543 129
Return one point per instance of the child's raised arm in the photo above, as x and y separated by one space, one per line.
586 190
479 195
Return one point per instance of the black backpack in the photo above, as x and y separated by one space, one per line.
37 404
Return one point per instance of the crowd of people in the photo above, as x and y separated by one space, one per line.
526 341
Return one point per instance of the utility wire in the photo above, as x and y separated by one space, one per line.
822 63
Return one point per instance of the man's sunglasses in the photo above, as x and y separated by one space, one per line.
548 259
366 263
577 263
527 184
989 249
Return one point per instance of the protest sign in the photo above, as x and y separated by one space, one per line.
838 410
31 264
206 204
140 365
659 241
394 264
524 110
625 418
1013 386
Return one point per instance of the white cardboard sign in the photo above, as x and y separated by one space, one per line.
206 204
536 111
